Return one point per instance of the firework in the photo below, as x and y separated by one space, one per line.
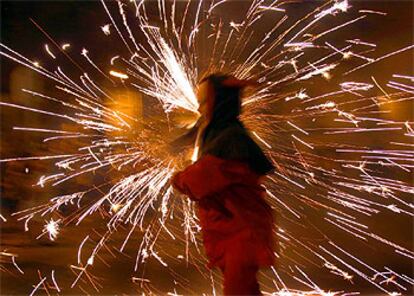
329 186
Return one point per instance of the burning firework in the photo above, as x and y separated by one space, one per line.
330 187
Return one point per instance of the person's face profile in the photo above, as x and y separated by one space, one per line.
202 97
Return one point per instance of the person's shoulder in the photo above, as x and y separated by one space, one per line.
234 130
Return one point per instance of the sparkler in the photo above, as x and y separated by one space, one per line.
346 188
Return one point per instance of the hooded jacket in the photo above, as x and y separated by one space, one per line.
225 136
225 182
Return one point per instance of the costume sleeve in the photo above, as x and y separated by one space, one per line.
209 175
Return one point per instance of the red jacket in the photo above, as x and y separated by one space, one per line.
233 213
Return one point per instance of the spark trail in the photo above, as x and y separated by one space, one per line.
325 191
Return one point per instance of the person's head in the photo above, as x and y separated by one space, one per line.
219 97
205 96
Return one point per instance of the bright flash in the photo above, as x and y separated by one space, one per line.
52 228
65 46
118 74
115 207
194 157
326 75
90 260
106 29
347 55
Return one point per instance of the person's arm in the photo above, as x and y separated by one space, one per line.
186 139
208 175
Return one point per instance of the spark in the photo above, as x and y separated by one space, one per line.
54 281
90 260
354 86
324 71
65 46
115 207
358 41
346 188
17 266
269 8
301 95
403 76
409 47
347 55
235 26
262 140
341 6
49 51
118 74
303 142
298 128
52 229
194 156
372 11
106 29
37 286
379 86
114 59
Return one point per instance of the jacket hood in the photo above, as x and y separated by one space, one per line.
225 136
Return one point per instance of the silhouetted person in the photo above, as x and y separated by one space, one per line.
237 223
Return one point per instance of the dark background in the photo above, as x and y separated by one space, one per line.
78 22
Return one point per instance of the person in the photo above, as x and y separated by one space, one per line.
236 221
